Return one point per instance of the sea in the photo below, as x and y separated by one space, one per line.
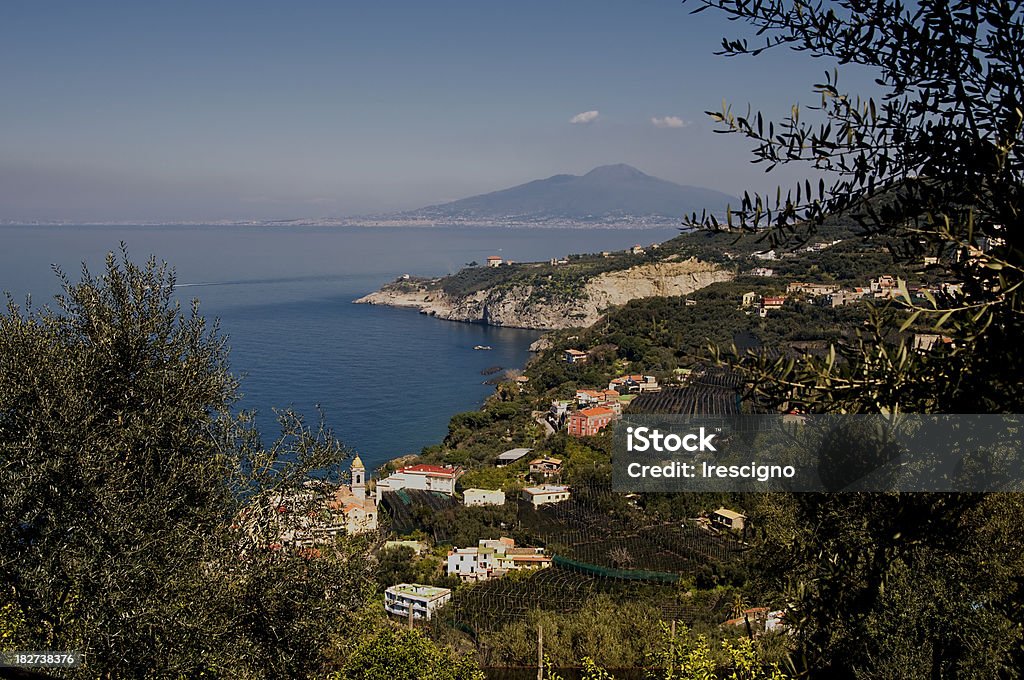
386 380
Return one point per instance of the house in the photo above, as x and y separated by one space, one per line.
423 477
483 497
494 261
511 456
545 494
634 384
521 382
547 467
813 289
422 600
590 421
885 286
750 298
588 398
728 519
493 559
762 271
764 255
358 511
926 342
574 356
638 250
770 304
841 298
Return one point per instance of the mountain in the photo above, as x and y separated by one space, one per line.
607 193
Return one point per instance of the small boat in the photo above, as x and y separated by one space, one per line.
482 347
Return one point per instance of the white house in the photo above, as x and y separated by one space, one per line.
483 497
422 477
545 494
493 559
494 261
728 519
423 600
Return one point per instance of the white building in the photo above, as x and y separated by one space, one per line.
483 497
423 600
545 494
493 559
422 477
728 519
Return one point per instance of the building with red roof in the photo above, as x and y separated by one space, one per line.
590 421
423 477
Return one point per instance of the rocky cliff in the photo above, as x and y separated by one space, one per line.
528 306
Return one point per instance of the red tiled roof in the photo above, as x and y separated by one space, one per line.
597 411
430 470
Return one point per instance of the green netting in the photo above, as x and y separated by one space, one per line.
608 572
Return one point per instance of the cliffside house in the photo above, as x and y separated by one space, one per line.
728 519
511 456
423 477
494 261
638 250
634 384
358 510
483 497
493 559
574 356
590 421
422 600
764 255
546 467
762 271
750 298
545 494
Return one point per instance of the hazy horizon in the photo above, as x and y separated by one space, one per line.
122 112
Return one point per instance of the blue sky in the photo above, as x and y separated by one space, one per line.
219 110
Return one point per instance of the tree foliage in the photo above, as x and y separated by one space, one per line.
131 515
406 655
933 167
899 585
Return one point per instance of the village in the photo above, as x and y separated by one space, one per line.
548 511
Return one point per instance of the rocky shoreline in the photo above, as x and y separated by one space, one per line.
518 307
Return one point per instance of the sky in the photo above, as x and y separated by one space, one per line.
184 110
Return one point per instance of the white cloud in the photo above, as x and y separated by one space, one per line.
669 122
584 118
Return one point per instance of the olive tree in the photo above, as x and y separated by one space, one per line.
128 490
932 169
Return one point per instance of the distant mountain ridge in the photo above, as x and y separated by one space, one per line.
606 193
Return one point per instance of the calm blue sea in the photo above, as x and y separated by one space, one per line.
387 379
